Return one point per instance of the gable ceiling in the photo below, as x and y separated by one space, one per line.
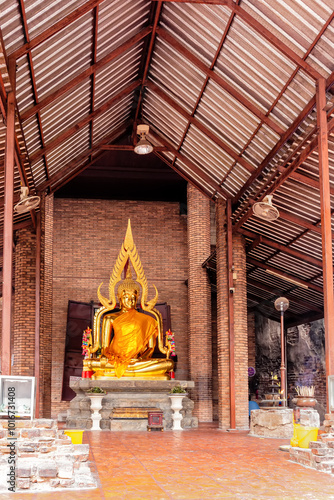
228 89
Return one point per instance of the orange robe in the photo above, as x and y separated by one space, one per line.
132 331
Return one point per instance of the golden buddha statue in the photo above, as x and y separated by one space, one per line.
124 340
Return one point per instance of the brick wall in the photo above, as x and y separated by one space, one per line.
87 239
199 293
24 303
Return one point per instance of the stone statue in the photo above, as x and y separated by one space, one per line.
124 340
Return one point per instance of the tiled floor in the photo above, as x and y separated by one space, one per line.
200 464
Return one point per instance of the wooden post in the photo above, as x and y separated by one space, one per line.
37 312
8 228
230 311
325 204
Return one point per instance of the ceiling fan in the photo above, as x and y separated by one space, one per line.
265 209
26 202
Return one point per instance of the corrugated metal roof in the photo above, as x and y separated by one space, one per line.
217 89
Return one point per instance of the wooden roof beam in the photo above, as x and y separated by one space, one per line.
146 65
86 74
205 83
271 187
77 162
84 121
55 28
282 248
205 177
200 126
33 80
299 221
276 270
219 80
182 174
276 42
289 296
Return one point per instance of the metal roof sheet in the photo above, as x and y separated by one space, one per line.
217 88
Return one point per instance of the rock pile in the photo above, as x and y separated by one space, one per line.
320 454
45 458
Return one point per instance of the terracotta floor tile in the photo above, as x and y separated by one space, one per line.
192 465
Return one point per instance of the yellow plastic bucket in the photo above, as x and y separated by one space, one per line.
305 435
294 440
75 435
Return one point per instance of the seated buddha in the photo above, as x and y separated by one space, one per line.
124 340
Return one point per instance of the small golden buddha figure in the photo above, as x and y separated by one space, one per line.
124 340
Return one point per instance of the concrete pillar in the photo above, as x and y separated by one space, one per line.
199 293
240 359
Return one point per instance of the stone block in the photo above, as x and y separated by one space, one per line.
84 404
23 468
329 416
316 444
327 439
3 433
45 423
48 433
319 459
66 483
309 417
81 452
47 469
45 440
320 451
325 466
23 483
54 483
47 449
104 423
85 481
65 449
272 423
30 433
63 441
65 469
28 447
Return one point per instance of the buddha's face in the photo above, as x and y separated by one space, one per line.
128 299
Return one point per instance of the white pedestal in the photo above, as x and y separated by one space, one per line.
96 405
176 405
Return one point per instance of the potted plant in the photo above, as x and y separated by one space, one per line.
96 395
176 396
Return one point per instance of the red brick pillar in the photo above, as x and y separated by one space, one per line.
222 318
251 339
24 303
240 332
46 305
240 325
199 299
